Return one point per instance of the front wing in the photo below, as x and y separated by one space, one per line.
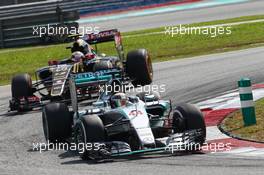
174 143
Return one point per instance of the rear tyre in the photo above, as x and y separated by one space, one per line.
139 67
21 86
89 132
57 122
188 117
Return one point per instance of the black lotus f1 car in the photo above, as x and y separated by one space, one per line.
52 81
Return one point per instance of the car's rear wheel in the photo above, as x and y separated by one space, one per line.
188 117
90 133
57 122
139 67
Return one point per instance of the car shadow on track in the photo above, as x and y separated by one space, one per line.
70 154
15 113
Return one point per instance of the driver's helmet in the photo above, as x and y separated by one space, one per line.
77 56
118 100
82 46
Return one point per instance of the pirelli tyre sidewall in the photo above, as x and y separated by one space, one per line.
139 67
189 117
57 122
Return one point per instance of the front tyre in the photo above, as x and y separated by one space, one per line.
21 86
139 67
188 117
57 122
89 133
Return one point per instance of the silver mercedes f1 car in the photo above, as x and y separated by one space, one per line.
124 125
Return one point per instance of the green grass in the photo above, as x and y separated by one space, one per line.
27 60
234 124
161 47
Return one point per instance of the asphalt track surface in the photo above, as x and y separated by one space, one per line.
254 7
187 80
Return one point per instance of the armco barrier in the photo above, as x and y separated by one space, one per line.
11 2
16 20
17 29
1 36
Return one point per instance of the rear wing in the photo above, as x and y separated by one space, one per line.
107 36
101 37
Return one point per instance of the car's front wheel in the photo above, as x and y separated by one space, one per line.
89 134
187 117
57 122
21 87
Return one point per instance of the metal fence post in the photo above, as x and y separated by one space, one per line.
1 35
59 14
247 103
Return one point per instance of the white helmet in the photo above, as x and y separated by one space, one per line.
82 46
77 56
